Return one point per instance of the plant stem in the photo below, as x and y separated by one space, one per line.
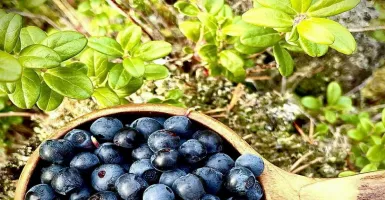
34 16
365 29
19 114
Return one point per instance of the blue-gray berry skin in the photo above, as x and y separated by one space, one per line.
165 160
146 126
240 180
158 192
221 162
81 139
40 192
189 187
142 152
127 138
160 120
180 125
255 193
144 169
237 198
103 177
130 186
211 140
211 178
85 161
210 197
81 194
48 173
163 139
57 151
67 180
105 195
168 178
109 153
252 162
193 151
105 128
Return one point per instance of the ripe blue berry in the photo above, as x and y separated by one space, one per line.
127 138
211 140
41 192
85 161
142 152
240 180
211 179
255 193
221 162
193 151
105 128
130 186
81 194
158 192
103 177
57 151
160 120
180 125
210 197
48 173
165 160
67 180
105 195
144 169
163 139
80 139
189 187
252 162
168 178
109 153
146 126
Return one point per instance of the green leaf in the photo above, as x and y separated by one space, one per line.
66 43
333 93
69 83
376 153
344 103
268 17
97 64
106 46
356 134
174 102
10 26
375 139
118 77
311 102
153 50
208 53
330 116
315 31
282 5
129 38
32 3
213 6
27 90
301 6
49 100
327 8
233 62
132 86
191 29
134 66
350 118
312 49
369 168
208 21
105 97
321 129
382 115
155 72
292 36
10 68
366 125
260 37
174 94
226 11
31 35
2 13
346 174
379 128
39 56
364 147
247 49
187 8
361 162
78 66
284 60
7 87
154 100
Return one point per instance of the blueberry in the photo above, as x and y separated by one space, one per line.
255 193
158 192
146 126
252 162
210 197
103 177
193 151
180 125
57 151
142 152
211 178
211 140
237 198
127 138
221 162
168 178
163 139
81 194
240 180
126 166
185 167
160 120
48 173
40 192
144 169
130 186
85 161
67 180
188 187
109 153
105 128
105 195
165 160
80 139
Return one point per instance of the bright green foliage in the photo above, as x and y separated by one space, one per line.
379 35
172 97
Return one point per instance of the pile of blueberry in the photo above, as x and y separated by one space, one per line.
150 159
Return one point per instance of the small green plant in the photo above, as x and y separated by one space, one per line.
6 122
379 34
172 97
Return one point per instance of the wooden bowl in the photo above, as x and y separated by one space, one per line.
277 183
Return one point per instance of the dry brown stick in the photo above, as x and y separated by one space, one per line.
311 131
259 78
20 114
300 160
299 169
364 29
35 16
237 93
217 110
300 131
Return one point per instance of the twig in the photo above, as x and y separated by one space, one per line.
258 78
283 85
300 131
364 29
217 110
246 137
299 169
300 160
311 130
35 16
20 114
359 87
237 93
